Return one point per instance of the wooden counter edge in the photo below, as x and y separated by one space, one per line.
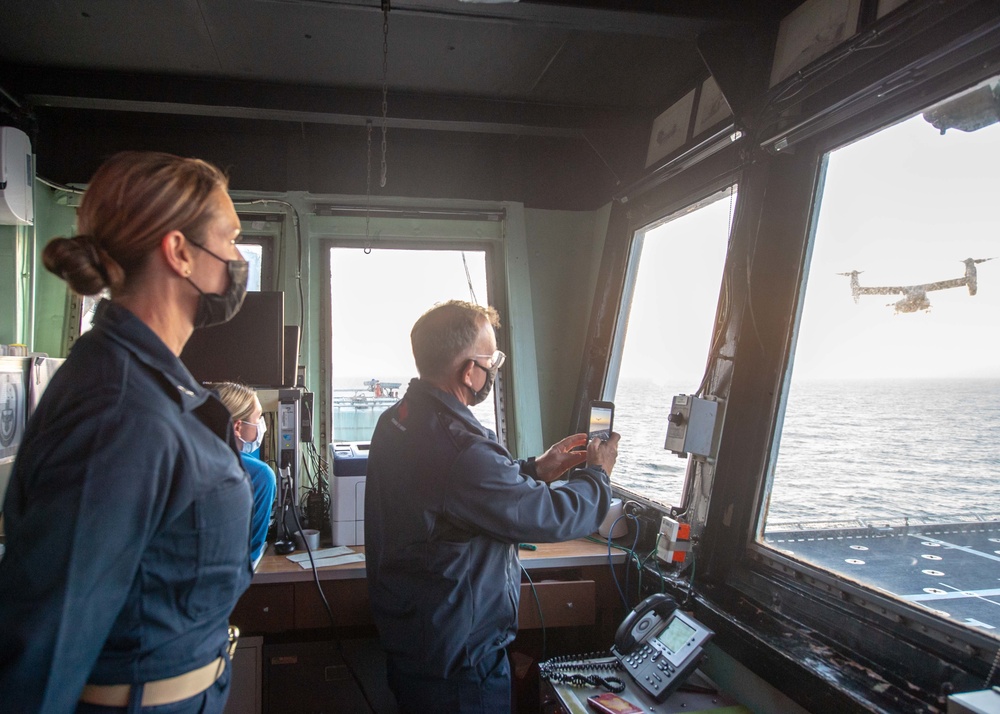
571 554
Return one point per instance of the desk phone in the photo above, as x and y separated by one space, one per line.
659 646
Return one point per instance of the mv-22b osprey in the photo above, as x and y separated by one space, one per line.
915 296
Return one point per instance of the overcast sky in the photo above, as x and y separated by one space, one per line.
905 206
378 297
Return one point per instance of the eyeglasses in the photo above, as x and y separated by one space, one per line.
496 360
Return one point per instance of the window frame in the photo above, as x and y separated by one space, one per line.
266 230
496 296
797 607
266 242
657 214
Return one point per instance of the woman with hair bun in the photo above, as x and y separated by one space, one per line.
128 512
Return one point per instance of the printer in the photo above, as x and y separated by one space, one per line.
347 492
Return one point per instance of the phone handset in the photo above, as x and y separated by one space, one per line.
633 629
659 646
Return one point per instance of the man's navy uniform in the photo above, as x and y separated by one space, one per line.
445 507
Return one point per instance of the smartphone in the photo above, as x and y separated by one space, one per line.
609 703
602 418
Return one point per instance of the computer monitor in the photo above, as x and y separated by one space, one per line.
248 349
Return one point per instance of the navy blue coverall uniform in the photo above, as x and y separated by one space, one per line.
127 520
445 507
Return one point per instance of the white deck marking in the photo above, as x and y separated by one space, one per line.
952 546
955 595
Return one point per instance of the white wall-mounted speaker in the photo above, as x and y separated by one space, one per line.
17 176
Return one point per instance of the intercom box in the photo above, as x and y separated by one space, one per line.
347 492
17 175
692 426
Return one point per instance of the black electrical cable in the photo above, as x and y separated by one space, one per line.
538 604
635 542
630 553
315 570
296 220
329 614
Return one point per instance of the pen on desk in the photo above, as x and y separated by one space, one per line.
527 546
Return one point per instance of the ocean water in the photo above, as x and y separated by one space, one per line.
857 450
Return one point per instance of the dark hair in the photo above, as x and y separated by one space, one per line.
445 333
133 200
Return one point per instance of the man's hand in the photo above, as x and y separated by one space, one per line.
603 453
559 458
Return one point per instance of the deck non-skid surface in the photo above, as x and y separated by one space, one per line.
952 569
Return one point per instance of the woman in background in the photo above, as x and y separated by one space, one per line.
128 511
249 428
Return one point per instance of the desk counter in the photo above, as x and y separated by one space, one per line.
572 582
571 554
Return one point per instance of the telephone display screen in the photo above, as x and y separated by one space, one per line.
600 423
675 635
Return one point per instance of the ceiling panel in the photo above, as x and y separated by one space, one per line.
167 35
536 53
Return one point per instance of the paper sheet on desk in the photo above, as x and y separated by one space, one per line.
327 557
322 553
337 560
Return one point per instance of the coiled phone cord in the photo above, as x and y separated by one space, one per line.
559 671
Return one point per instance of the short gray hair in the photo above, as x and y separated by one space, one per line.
445 333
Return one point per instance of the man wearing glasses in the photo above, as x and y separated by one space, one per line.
446 506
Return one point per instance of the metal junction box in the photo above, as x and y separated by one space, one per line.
692 424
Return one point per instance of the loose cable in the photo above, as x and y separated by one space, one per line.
538 604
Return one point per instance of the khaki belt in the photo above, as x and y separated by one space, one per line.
162 691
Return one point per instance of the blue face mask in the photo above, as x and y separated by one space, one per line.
248 447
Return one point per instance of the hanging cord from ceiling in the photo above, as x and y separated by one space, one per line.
385 129
468 278
385 84
368 192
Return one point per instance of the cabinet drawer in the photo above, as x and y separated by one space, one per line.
348 601
563 604
265 608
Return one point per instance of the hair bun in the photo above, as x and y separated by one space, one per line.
80 262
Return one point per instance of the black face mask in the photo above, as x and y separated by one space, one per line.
216 308
480 396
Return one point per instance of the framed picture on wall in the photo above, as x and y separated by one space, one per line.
810 31
712 107
670 129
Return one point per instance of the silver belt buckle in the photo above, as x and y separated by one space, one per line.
234 636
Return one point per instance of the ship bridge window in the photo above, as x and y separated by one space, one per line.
664 335
256 250
375 298
889 453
